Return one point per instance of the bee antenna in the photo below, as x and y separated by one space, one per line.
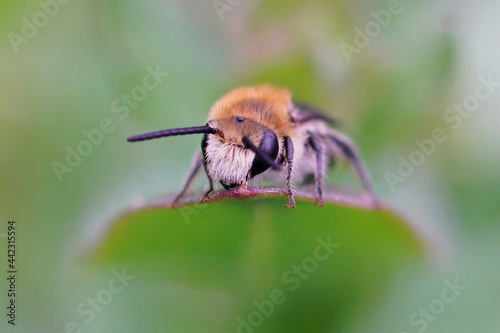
174 132
248 144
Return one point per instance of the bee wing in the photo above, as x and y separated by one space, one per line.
302 113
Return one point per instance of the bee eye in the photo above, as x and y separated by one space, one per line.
240 120
269 146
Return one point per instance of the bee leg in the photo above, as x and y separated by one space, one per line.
351 153
318 148
193 172
244 188
288 179
210 182
207 195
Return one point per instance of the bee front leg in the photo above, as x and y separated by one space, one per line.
210 182
191 176
288 179
207 195
318 149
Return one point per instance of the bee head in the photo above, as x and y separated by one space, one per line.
242 149
236 149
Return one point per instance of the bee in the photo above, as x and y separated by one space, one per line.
259 132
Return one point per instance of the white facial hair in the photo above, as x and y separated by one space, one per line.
227 162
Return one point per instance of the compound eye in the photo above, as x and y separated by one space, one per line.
269 146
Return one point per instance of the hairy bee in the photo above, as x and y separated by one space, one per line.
259 132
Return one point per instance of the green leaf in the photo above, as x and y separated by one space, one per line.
224 262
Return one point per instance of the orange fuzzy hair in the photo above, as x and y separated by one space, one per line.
267 105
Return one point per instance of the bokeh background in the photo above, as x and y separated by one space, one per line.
64 76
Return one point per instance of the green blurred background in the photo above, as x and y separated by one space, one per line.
63 77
